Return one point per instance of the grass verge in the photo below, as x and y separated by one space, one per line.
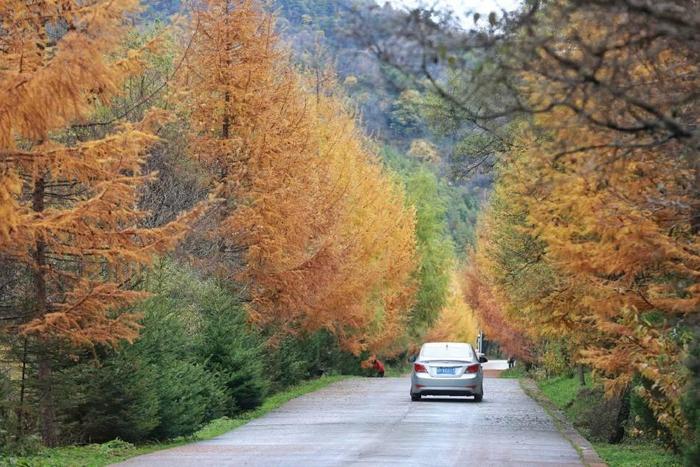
518 371
398 370
94 455
633 455
562 391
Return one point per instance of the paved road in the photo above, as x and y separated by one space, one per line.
499 365
493 368
372 422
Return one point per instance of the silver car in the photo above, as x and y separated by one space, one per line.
447 369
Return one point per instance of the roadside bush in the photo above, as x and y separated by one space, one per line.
220 338
296 358
154 388
232 352
595 415
287 363
195 360
188 397
643 423
642 419
691 402
118 399
190 391
325 356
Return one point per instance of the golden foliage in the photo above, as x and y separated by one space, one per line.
69 212
47 82
55 63
424 150
456 321
591 233
328 239
491 314
623 235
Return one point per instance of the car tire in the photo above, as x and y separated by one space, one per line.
478 397
415 397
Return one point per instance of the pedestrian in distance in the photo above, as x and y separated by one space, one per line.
378 367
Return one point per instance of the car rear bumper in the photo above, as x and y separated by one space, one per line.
465 385
446 392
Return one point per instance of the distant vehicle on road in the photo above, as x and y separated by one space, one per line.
447 369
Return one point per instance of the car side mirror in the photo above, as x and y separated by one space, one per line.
412 358
483 359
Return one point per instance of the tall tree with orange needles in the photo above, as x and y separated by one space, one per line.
600 249
371 242
250 128
327 238
69 216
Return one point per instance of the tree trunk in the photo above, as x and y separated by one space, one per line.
581 375
622 415
695 211
227 96
225 130
22 389
46 409
47 413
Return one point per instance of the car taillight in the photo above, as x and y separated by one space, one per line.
419 368
473 368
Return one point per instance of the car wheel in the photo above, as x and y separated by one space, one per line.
415 397
478 397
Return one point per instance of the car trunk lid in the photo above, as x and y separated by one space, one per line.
447 368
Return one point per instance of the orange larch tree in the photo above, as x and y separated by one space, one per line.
372 240
604 186
603 258
613 189
69 217
623 234
492 314
327 237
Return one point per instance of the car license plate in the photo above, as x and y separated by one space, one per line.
445 371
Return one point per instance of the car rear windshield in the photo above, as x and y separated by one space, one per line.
447 351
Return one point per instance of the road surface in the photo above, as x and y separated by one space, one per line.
493 368
372 422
